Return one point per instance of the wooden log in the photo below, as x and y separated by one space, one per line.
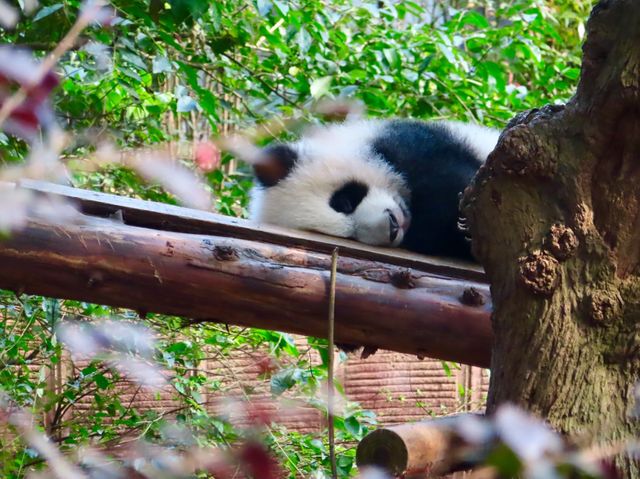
251 283
429 448
161 216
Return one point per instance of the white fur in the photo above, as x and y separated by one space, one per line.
482 139
332 155
328 157
371 220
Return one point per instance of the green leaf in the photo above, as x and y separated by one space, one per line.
101 381
304 40
88 370
424 64
264 7
131 74
572 73
134 60
179 347
505 461
447 52
496 71
186 11
392 57
186 104
161 64
282 381
282 6
344 464
179 387
357 74
470 17
320 87
352 426
208 102
46 11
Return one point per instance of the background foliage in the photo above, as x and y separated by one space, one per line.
182 71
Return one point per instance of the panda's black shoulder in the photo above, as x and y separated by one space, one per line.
437 164
407 144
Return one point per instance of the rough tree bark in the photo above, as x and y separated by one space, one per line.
555 220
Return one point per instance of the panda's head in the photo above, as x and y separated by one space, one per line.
331 182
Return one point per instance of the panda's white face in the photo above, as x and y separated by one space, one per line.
380 218
321 185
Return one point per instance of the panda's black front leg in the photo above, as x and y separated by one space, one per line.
347 348
351 348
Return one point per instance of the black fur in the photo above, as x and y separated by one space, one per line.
437 166
275 164
347 198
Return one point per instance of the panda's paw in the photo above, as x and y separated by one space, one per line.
351 348
347 348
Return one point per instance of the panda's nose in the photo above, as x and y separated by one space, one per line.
394 227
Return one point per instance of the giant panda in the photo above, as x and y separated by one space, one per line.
381 182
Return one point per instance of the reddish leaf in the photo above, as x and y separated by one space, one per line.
266 366
18 69
609 469
207 156
258 462
43 89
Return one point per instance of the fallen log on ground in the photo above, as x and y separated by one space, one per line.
507 443
423 449
213 268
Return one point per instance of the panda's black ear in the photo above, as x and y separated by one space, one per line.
275 163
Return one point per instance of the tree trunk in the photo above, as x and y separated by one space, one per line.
555 220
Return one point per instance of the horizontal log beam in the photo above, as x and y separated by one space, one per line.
161 216
250 282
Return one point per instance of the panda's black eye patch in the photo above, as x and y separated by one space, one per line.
347 198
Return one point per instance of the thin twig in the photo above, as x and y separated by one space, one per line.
332 308
60 467
264 83
84 19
